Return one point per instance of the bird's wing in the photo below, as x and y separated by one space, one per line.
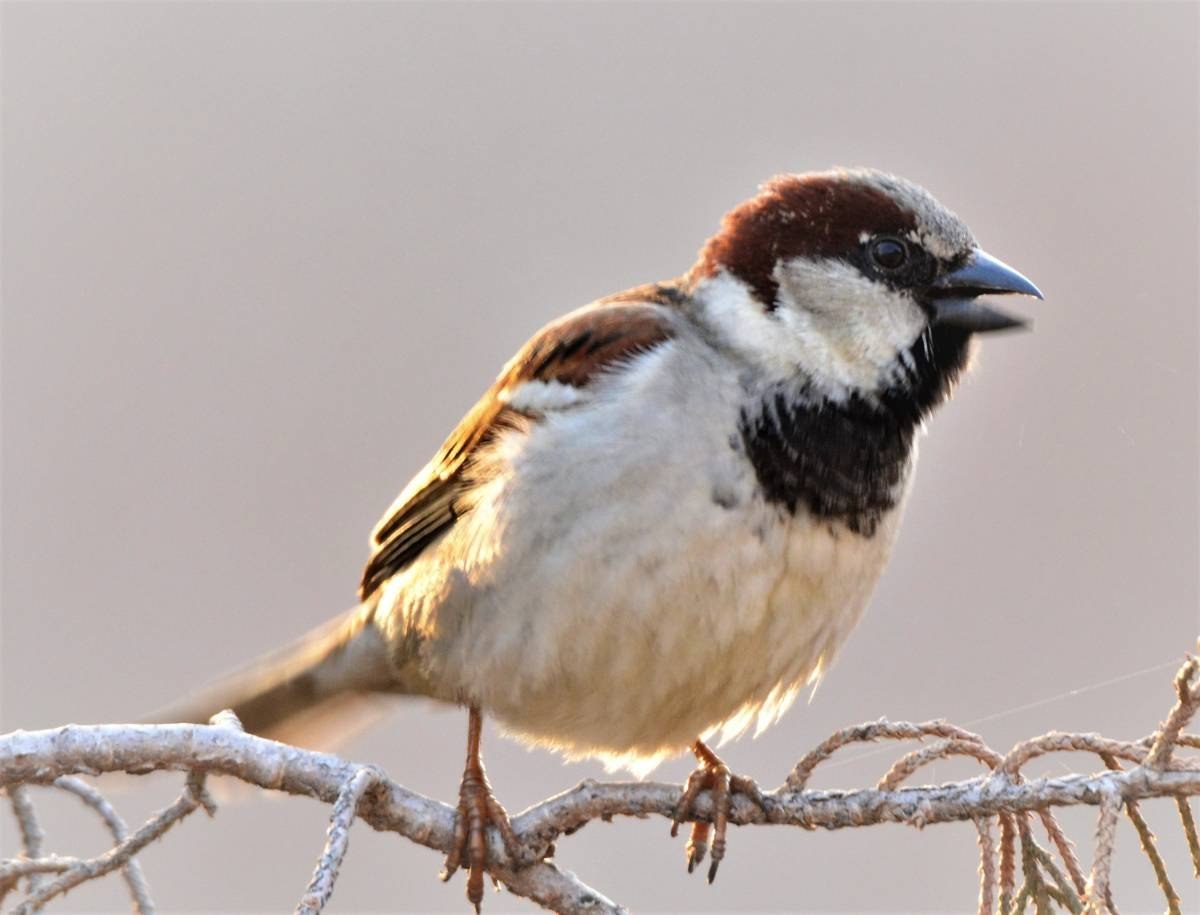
572 351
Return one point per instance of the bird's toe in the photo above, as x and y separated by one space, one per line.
709 837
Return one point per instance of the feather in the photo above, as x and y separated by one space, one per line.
574 351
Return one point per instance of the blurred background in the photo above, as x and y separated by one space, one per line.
260 258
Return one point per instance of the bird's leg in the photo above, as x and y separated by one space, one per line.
477 809
713 775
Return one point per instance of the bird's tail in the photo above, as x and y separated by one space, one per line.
317 691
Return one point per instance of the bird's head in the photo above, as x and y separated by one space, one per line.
856 281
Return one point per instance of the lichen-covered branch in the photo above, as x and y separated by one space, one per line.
56 757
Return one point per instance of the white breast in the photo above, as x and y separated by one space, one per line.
621 587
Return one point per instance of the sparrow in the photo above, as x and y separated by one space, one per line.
670 509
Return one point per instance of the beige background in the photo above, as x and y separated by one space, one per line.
258 259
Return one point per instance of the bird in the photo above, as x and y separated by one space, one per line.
670 509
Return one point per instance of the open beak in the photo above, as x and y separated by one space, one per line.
954 298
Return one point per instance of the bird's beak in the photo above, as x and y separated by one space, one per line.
954 298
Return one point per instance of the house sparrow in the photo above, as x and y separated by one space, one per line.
670 509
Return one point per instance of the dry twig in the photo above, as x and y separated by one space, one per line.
1066 851
1146 837
1167 736
139 891
31 837
54 757
320 887
1189 830
987 866
117 856
1098 898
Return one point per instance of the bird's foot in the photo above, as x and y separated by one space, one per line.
477 810
714 776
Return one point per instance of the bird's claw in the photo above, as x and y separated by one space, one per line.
714 776
477 809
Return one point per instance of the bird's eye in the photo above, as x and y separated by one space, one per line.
889 253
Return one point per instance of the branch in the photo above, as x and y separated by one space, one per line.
55 757
139 891
31 838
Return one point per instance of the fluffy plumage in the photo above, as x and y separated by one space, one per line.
672 506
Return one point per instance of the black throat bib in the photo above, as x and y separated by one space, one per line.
845 460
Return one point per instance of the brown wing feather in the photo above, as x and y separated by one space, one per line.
572 350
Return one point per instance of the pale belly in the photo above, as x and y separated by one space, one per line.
656 656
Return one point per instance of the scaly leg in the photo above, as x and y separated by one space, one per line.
712 775
477 809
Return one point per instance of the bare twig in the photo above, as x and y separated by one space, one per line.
115 857
320 887
139 891
15 868
1098 898
913 761
1187 700
1146 837
1021 902
32 836
1189 830
1062 890
1035 886
1058 742
909 764
1008 861
868 733
1066 851
987 866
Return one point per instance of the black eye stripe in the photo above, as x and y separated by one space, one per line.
895 261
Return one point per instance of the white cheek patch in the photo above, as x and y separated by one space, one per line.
853 329
831 323
743 324
543 396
